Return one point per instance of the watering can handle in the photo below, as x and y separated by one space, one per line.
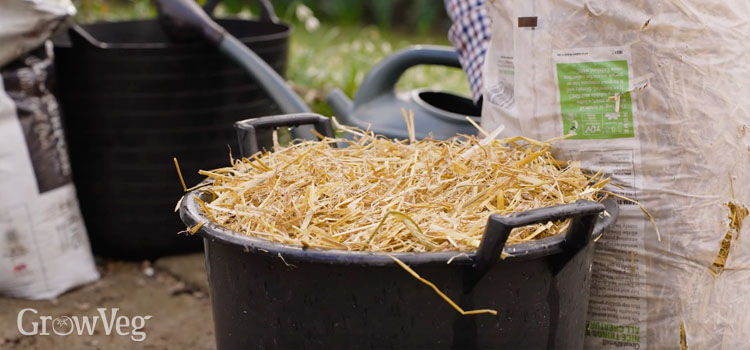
187 15
583 215
386 74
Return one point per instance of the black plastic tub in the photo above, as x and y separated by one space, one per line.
132 100
270 295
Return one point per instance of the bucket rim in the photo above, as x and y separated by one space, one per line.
191 213
284 32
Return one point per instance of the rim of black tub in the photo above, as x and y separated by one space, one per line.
81 33
191 213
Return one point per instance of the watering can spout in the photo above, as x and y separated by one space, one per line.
341 105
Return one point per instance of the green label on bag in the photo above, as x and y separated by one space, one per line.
586 105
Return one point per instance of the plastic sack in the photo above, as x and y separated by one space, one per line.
44 249
655 93
26 24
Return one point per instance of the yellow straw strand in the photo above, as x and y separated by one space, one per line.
179 173
441 294
195 228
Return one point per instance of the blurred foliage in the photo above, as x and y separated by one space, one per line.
421 16
412 16
341 56
330 45
109 10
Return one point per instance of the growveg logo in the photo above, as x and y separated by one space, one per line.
29 323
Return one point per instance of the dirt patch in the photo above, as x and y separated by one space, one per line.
180 309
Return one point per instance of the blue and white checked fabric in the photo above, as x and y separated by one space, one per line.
470 36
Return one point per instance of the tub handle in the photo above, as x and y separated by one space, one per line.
246 129
583 215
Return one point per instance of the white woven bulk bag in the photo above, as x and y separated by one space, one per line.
657 94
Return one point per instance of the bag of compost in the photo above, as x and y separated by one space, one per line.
44 249
655 93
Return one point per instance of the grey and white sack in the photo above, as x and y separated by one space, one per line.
44 248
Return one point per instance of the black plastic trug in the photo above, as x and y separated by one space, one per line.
131 100
271 295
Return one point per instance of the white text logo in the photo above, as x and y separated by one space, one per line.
80 325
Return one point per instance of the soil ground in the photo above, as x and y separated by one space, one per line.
173 290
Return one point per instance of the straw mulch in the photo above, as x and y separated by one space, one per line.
385 195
